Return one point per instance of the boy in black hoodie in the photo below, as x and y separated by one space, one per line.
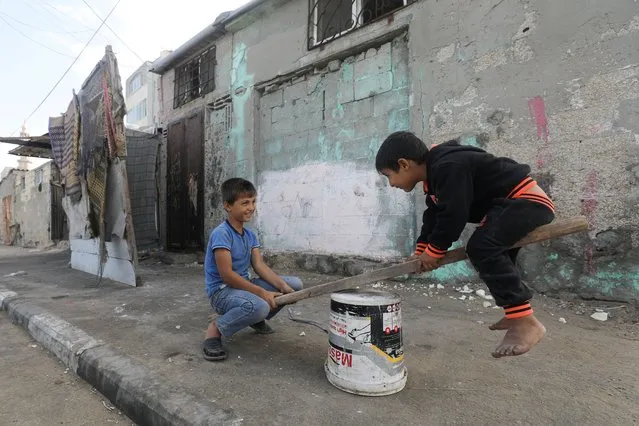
464 184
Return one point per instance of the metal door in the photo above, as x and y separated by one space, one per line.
185 183
59 227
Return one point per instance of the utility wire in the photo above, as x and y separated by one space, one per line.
41 29
111 29
32 39
63 19
55 21
70 66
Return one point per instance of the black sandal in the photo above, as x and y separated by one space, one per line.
213 350
262 328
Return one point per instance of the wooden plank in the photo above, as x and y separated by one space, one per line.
556 229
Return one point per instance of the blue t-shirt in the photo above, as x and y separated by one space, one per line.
240 246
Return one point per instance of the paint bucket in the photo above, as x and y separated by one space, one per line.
366 353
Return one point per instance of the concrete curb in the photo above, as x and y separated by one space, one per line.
143 396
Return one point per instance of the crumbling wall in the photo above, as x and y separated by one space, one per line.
230 126
318 188
7 185
32 207
552 84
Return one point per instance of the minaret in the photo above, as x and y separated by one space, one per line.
24 162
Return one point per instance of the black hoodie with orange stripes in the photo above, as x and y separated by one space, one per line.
462 182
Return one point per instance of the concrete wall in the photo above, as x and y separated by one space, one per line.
553 84
6 207
32 206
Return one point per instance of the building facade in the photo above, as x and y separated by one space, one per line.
142 99
7 188
297 95
38 218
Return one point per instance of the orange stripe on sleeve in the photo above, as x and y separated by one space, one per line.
519 186
550 205
434 251
524 189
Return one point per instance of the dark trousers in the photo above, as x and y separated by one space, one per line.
488 249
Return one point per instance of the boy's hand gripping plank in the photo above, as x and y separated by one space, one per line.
556 229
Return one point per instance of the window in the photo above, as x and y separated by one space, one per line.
134 84
39 177
138 112
195 78
329 19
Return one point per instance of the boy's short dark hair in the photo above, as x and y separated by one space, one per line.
400 145
234 188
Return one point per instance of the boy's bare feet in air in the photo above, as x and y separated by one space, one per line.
522 335
502 324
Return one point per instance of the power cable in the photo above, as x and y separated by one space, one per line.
43 30
111 29
70 66
32 39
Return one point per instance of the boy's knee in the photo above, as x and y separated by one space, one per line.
478 249
261 310
294 282
257 310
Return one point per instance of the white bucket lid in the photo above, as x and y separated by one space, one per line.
365 297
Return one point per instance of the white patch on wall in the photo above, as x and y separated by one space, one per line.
492 59
445 53
522 52
330 208
629 27
466 98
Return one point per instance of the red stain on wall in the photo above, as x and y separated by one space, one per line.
538 115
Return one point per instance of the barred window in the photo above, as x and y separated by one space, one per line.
195 78
330 19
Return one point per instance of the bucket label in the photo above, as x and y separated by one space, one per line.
378 327
340 356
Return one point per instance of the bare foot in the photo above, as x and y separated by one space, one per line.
502 324
522 335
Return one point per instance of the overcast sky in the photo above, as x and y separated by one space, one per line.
40 38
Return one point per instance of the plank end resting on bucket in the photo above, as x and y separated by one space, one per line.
558 228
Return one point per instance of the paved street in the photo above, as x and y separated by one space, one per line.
584 372
37 389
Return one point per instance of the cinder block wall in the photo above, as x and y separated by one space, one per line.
319 134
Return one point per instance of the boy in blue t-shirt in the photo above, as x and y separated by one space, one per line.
240 301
